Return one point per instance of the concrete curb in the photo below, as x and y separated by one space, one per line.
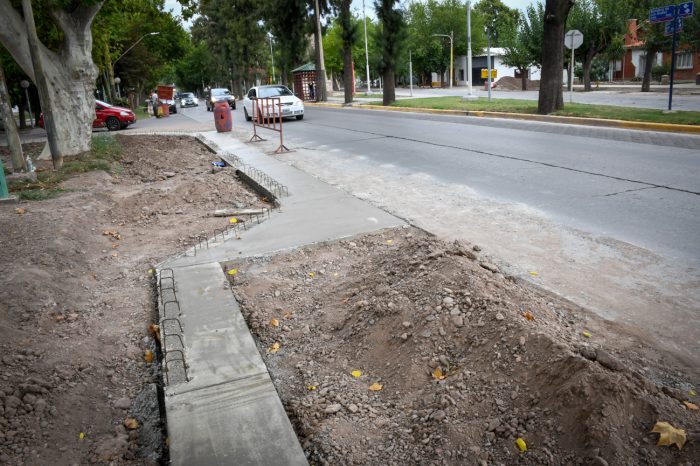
638 125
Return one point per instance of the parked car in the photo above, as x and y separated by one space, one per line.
107 115
220 95
292 106
187 99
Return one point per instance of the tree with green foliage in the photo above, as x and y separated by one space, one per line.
517 53
532 26
500 20
600 21
551 96
391 28
653 36
59 63
349 37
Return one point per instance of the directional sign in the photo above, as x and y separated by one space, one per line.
668 27
663 14
685 9
573 39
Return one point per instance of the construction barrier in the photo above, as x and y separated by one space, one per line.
267 113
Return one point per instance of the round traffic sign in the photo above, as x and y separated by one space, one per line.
573 39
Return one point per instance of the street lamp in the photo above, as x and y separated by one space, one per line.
452 52
369 86
469 96
272 57
134 45
118 80
25 85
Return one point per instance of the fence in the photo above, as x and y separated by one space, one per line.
267 113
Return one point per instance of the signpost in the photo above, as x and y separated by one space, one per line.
671 15
572 40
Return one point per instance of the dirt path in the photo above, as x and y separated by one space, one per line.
76 301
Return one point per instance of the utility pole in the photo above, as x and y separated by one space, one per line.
410 71
272 56
364 14
488 59
321 95
470 95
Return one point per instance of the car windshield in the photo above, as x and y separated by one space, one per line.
187 95
274 91
219 92
102 104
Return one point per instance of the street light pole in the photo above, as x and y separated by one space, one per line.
114 64
452 55
272 57
410 71
469 96
364 13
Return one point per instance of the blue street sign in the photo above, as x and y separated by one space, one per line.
663 14
685 9
668 27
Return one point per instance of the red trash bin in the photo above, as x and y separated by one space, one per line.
222 117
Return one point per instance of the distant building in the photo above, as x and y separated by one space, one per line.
478 62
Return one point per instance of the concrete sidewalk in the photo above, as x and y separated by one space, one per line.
221 405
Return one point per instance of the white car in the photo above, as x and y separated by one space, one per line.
292 106
187 99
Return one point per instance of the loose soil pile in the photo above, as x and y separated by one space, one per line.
509 83
456 361
76 300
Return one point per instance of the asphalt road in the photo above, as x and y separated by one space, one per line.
608 218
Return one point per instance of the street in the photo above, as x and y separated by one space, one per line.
605 217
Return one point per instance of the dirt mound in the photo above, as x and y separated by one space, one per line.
509 83
467 359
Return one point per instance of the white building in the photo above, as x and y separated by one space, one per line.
479 62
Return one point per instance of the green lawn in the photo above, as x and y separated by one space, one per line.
575 110
141 113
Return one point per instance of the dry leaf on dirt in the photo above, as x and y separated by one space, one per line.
528 315
587 334
375 387
522 446
232 272
81 435
155 330
691 406
390 242
115 235
20 210
274 348
438 375
148 356
669 435
115 245
274 322
311 274
356 374
131 423
233 220
311 387
692 393
533 273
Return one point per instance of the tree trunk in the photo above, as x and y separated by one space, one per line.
320 91
8 120
587 64
551 97
389 95
648 65
347 74
523 78
22 114
65 79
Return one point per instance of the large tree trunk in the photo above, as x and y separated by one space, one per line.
66 82
523 77
587 64
8 120
347 74
648 65
348 38
389 87
551 97
320 91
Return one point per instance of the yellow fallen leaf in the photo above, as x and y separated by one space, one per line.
522 446
274 348
155 330
375 387
587 334
692 393
528 315
691 406
81 435
287 314
669 435
232 272
390 242
131 423
150 271
533 273
311 274
233 220
274 322
20 210
437 374
356 374
148 356
311 387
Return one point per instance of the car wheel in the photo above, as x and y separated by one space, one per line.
300 117
247 117
113 124
234 105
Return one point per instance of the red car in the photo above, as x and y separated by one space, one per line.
107 115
